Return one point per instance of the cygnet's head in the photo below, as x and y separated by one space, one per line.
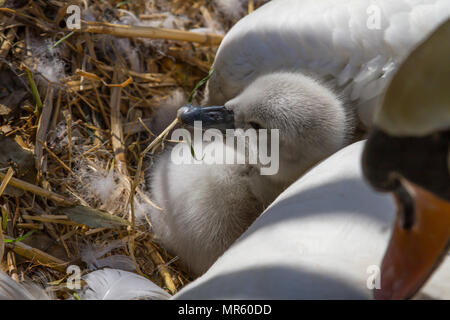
311 119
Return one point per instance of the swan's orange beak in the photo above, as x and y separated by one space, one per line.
413 254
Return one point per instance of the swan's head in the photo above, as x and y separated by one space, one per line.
408 154
311 119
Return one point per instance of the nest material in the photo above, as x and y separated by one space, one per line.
75 111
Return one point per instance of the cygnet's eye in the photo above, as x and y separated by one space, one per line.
255 125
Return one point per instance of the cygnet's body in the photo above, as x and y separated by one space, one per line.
284 68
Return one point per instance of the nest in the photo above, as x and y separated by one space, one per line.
76 111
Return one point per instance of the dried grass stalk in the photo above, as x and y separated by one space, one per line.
158 260
120 30
36 255
38 191
6 180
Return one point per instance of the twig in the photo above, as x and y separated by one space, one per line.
93 76
116 129
12 268
102 107
38 191
54 156
36 255
33 226
251 6
165 274
141 159
134 127
68 116
7 44
156 77
5 181
119 30
119 151
44 122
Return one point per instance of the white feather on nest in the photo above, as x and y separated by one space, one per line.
92 254
233 9
112 284
106 284
46 59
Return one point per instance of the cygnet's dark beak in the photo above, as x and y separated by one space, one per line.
217 117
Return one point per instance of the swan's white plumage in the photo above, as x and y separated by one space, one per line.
316 241
329 38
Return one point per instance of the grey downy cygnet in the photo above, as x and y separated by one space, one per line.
206 207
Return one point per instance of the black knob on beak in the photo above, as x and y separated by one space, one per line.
217 117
